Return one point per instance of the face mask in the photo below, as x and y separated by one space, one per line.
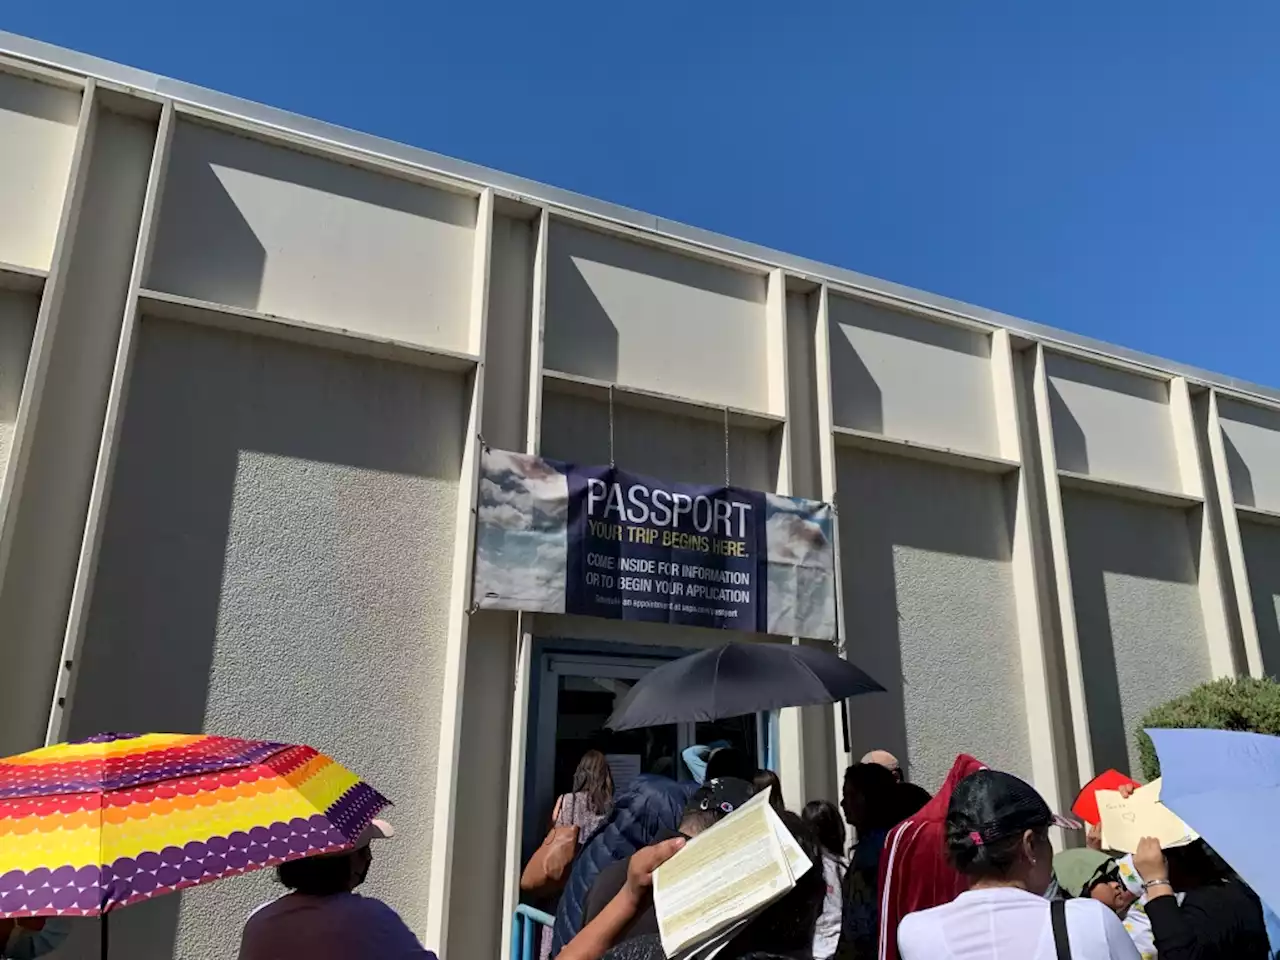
1053 891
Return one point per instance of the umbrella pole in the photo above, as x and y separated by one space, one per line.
105 929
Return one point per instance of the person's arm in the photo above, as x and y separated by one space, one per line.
1184 931
595 939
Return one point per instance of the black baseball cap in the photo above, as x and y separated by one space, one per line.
720 796
990 805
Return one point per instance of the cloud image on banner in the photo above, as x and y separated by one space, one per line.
557 538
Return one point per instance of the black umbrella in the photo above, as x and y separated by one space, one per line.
737 679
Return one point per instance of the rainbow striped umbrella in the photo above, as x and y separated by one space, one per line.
110 821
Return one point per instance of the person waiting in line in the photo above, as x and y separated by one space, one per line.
650 807
782 931
322 917
909 799
997 836
871 803
586 806
885 759
731 762
768 780
697 756
1219 915
712 802
1085 872
915 872
827 825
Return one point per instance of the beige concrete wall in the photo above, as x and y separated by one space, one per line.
276 564
37 138
257 520
929 608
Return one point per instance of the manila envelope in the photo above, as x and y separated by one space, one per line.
1125 822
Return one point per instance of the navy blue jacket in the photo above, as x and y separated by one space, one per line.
651 805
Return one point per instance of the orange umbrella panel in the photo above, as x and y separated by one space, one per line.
88 827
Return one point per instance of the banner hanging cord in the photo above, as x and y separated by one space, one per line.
726 446
612 463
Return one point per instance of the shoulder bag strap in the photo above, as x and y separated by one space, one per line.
1058 914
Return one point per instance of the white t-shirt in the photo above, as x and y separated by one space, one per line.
1005 923
826 932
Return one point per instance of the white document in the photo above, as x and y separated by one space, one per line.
1126 822
725 875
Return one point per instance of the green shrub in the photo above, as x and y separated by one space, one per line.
1242 703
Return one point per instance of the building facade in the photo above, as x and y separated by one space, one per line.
247 363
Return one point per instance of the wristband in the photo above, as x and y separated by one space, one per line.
1162 882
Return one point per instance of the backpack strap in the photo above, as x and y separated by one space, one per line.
1058 915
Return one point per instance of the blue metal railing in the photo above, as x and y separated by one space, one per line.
524 943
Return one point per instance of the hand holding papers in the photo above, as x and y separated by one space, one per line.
1126 822
723 877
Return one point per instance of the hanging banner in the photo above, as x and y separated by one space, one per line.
556 538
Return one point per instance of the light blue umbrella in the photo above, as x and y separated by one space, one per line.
1226 785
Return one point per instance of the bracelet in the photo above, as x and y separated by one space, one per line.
1162 882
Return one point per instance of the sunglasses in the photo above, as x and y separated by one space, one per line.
1108 872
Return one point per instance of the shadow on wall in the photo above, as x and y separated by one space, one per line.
1241 478
928 595
856 400
1069 441
35 99
581 337
1262 560
198 216
271 511
1138 616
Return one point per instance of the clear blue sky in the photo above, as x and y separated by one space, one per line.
1111 168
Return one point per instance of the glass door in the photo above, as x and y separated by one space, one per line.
577 693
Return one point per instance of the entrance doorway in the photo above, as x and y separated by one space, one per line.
574 692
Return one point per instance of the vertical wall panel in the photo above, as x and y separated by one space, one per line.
1138 612
480 842
880 362
63 437
1262 557
314 240
507 353
929 612
277 563
37 134
625 312
1112 424
1251 436
17 323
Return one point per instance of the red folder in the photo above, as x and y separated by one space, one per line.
1086 805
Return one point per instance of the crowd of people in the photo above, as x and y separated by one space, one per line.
967 873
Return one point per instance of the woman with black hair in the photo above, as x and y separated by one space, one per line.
827 825
997 833
872 803
1219 916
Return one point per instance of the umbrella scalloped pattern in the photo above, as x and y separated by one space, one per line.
89 827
